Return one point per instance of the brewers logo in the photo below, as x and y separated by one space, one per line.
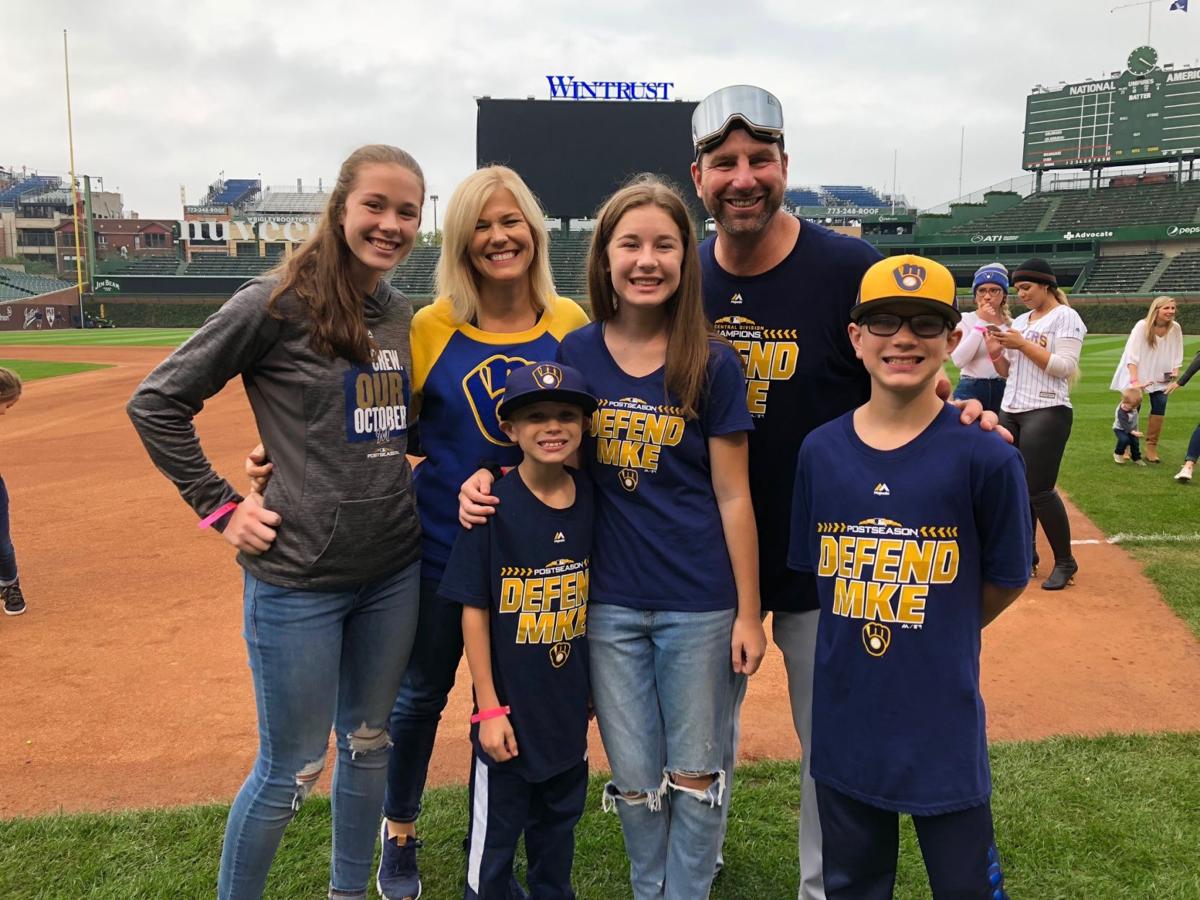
483 387
547 376
629 479
883 570
770 354
909 277
560 653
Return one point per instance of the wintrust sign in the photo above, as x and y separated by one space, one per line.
567 87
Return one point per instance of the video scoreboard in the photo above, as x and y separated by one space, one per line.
1144 114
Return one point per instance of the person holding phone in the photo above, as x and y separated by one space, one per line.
978 379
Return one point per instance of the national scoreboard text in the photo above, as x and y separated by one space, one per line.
1134 117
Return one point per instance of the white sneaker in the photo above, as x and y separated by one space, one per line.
1184 474
1118 459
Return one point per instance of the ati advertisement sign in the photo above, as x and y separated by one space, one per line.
567 87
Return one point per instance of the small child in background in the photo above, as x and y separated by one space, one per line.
10 584
1125 427
522 580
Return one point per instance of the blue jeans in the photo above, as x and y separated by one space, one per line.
8 556
420 701
663 687
1125 439
1158 403
988 391
319 658
1193 450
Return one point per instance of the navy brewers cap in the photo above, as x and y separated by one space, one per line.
545 381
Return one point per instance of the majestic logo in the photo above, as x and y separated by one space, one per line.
876 637
560 653
559 537
736 298
547 376
483 387
629 479
882 490
909 277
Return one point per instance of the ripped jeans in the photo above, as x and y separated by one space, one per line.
663 687
319 659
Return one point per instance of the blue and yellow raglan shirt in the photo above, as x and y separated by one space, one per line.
459 373
901 543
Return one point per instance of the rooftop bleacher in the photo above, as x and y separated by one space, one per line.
1120 274
852 195
273 201
10 195
796 197
233 191
147 265
211 264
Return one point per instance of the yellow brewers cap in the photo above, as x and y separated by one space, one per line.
911 280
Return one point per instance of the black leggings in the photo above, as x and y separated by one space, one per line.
1041 436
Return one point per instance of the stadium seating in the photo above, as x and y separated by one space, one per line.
10 195
798 197
1183 274
568 262
851 195
416 275
1120 274
150 265
18 286
1154 204
1022 218
249 266
234 191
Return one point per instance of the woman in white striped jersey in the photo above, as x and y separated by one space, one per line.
1039 355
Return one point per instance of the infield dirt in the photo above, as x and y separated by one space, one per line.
125 684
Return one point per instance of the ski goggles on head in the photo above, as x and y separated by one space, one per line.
756 110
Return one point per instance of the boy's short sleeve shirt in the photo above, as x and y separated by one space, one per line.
901 543
529 566
660 543
789 325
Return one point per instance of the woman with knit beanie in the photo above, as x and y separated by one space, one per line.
1039 355
978 379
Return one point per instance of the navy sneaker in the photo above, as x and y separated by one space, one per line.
14 600
398 878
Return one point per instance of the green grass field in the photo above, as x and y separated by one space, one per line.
108 337
33 369
1113 817
1106 818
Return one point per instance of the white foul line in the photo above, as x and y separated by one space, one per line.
1158 538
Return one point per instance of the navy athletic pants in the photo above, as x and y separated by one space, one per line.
502 806
861 843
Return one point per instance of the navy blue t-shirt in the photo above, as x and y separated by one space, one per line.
789 324
529 567
901 542
659 539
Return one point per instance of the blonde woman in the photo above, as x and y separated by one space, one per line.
1151 361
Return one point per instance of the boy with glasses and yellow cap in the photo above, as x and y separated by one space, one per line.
918 533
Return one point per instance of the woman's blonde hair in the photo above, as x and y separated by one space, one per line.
688 332
320 272
1155 306
457 279
10 385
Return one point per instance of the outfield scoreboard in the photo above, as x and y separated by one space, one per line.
1144 114
573 154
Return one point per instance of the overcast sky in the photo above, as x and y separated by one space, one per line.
171 94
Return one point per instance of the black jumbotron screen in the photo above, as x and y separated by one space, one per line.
573 154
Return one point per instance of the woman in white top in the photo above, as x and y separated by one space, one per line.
1151 361
978 379
1039 356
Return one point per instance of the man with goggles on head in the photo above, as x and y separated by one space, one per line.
781 290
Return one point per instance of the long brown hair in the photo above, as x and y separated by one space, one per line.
688 332
10 385
320 272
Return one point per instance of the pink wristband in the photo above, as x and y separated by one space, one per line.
493 713
217 513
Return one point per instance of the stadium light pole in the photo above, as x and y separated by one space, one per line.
434 198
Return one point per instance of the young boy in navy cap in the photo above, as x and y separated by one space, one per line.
918 531
523 582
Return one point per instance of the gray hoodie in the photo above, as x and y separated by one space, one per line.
335 431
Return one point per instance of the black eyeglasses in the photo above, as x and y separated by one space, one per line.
925 325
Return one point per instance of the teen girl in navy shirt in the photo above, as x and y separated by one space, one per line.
674 605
